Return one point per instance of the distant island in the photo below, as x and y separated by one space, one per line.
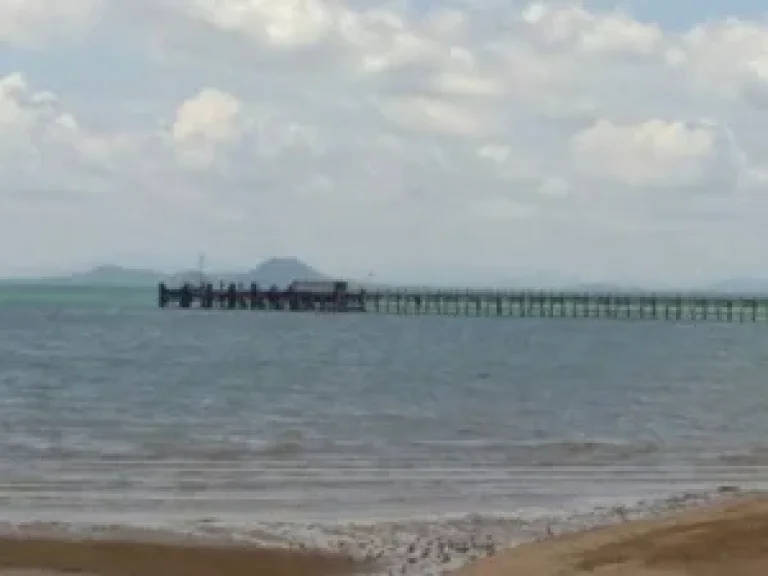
275 271
282 271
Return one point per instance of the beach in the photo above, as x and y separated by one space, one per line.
49 556
729 538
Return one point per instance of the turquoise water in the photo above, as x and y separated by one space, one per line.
59 297
264 425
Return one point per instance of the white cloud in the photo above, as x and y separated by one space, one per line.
430 113
574 27
211 114
43 145
390 136
205 122
34 23
277 23
728 58
653 153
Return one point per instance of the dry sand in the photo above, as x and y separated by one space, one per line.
21 556
727 539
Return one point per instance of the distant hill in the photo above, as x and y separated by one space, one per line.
282 271
109 275
275 271
750 286
605 288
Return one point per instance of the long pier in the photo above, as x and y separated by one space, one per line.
479 303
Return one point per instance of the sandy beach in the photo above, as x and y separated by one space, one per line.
32 556
729 538
724 539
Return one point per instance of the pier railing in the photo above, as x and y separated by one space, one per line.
488 303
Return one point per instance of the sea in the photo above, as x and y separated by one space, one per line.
364 433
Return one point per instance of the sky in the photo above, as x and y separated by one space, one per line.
418 140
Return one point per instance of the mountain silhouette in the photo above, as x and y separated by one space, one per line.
282 271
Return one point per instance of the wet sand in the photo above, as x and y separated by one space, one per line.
727 539
27 556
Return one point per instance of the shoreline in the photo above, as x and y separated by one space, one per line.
720 539
121 551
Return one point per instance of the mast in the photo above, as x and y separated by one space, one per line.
201 267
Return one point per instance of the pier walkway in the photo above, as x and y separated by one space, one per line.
488 303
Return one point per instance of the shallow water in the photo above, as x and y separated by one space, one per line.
286 425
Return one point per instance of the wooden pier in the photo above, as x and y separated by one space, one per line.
488 303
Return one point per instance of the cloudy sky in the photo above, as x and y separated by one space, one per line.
419 139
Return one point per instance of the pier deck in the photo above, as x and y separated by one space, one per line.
488 303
